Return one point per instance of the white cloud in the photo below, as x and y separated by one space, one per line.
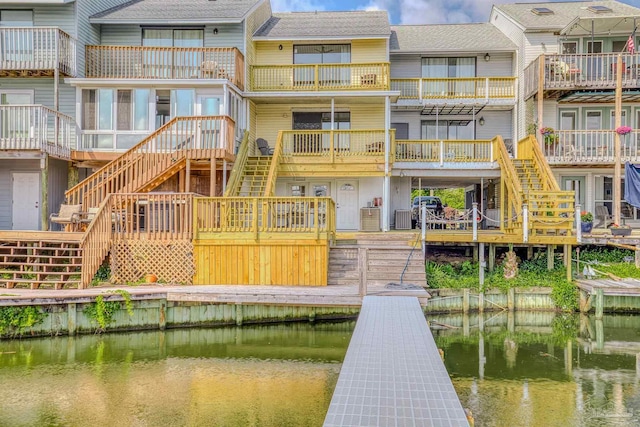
296 5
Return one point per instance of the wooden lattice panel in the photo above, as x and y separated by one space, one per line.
171 261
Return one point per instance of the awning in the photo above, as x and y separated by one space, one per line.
604 24
607 96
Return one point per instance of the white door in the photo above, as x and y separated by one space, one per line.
26 200
347 205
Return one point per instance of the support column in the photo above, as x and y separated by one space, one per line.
529 252
224 176
362 267
568 263
72 318
386 191
617 167
73 176
599 303
44 192
481 263
187 177
550 256
213 181
540 95
492 257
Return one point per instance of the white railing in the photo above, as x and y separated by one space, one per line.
37 49
590 146
456 88
443 151
33 127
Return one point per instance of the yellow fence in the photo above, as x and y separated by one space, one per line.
441 151
320 77
332 144
456 88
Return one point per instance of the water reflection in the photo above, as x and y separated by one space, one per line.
543 369
279 375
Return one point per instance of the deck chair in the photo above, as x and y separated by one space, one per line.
66 217
85 217
264 148
603 216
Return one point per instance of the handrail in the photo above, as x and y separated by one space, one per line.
238 167
180 139
151 62
510 177
332 144
528 148
270 185
444 151
37 48
455 87
96 242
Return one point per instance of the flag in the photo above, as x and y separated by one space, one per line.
631 45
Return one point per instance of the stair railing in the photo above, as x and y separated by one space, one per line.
549 182
512 183
270 185
235 176
96 242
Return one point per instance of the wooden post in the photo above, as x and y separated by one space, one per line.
482 263
540 95
567 257
213 180
239 314
162 315
475 253
362 266
617 172
550 257
72 314
492 257
465 300
599 303
511 299
187 178
481 306
599 334
529 252
44 192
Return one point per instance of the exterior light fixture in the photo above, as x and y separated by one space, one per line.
481 121
487 57
279 47
215 31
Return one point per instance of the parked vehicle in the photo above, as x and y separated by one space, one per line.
432 203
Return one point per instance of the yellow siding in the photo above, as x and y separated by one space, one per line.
263 263
362 51
273 118
253 22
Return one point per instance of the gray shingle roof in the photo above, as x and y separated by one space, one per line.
563 12
326 25
479 37
175 11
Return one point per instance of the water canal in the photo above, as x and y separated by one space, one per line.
522 369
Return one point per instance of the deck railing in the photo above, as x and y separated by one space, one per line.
511 210
528 148
320 77
591 146
37 49
255 215
327 145
487 88
551 212
182 138
444 151
582 71
146 62
152 216
33 127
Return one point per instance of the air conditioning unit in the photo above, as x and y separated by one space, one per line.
370 219
403 219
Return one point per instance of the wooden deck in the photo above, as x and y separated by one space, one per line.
35 236
626 287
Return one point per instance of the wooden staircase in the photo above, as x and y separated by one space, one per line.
155 159
254 176
528 175
37 259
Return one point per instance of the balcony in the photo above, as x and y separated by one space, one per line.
320 77
36 52
590 147
145 62
474 88
33 127
445 153
564 73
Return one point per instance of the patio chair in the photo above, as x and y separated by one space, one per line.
603 216
83 219
66 216
264 148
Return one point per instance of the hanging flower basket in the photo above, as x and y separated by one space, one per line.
620 230
623 130
549 135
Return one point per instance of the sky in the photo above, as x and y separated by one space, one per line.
408 11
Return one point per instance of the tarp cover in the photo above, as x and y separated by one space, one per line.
632 184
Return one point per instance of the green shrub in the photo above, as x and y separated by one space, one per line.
101 312
15 320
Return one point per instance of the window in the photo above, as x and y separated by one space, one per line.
448 129
132 109
448 67
569 48
169 63
402 130
613 119
15 123
594 47
172 37
313 143
322 54
16 18
17 45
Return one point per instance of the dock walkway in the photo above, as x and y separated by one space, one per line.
393 374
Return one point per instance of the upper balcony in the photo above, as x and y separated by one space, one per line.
320 77
146 62
571 147
472 88
36 128
562 73
36 52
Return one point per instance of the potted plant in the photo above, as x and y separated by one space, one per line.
549 135
623 130
586 221
620 230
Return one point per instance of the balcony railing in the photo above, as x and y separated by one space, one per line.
590 146
37 51
320 77
33 127
443 151
456 88
146 62
583 71
340 145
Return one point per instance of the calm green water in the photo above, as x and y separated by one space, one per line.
278 375
527 369
538 369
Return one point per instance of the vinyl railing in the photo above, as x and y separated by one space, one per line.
37 49
590 146
320 77
456 88
331 144
444 151
146 62
33 127
264 215
584 71
203 137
